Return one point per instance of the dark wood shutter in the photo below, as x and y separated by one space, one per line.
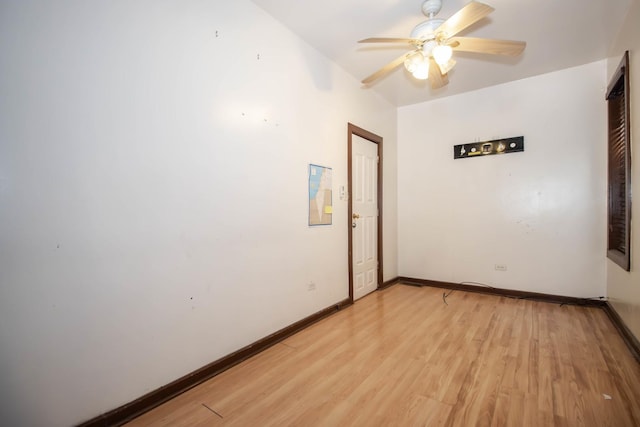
619 217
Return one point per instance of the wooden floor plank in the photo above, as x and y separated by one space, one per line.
402 356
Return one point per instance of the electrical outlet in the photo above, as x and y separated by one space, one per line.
311 286
501 267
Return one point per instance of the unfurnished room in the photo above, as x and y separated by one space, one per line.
338 213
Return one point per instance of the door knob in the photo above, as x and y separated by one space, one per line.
355 216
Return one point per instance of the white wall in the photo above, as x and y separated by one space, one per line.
153 194
540 212
624 287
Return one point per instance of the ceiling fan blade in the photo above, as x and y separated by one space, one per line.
387 68
468 15
444 69
389 40
435 77
490 46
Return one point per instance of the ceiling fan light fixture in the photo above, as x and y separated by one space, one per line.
418 65
413 61
442 53
427 48
421 72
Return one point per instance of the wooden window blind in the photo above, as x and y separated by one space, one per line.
619 172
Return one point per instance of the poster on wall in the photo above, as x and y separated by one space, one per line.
320 207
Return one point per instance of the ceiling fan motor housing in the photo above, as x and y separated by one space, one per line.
426 30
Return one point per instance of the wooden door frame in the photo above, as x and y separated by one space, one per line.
355 130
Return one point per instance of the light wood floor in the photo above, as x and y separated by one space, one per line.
401 357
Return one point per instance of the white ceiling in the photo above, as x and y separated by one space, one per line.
559 34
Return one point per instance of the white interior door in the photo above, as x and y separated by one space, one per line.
364 207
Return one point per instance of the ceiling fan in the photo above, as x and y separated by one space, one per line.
434 42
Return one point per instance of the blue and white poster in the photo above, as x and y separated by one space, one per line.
320 207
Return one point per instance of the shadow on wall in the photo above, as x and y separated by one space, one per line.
318 67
